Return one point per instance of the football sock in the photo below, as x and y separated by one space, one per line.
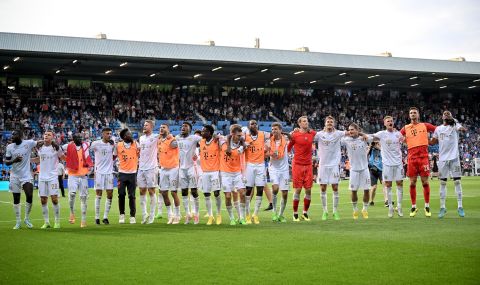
71 202
335 201
208 204
56 211
274 203
17 208
108 205
399 196
258 203
296 198
458 191
83 206
28 209
443 193
306 203
45 213
218 202
153 204
323 195
97 206
283 204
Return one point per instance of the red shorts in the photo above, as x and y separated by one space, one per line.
419 166
302 176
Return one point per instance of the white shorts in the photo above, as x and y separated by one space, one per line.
168 179
232 181
392 173
210 181
48 188
449 168
280 178
329 174
187 178
78 183
359 180
16 183
104 181
255 174
147 178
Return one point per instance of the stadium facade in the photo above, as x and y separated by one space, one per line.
47 59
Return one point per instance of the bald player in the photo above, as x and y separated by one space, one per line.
18 157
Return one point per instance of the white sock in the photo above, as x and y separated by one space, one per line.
97 206
143 204
443 193
45 213
153 205
274 203
71 202
83 205
160 204
427 205
185 205
196 203
17 208
247 206
399 196
28 209
365 206
283 205
108 205
323 195
389 197
218 202
258 204
242 211
354 204
230 212
208 204
177 211
56 211
336 197
237 207
458 191
169 211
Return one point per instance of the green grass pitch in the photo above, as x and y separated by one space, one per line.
374 251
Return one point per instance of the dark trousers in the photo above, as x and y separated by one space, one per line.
60 184
127 181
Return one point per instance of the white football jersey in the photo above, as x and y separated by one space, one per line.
103 157
148 152
390 147
21 169
447 141
49 163
187 146
329 147
357 149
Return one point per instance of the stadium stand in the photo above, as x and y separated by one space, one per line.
69 110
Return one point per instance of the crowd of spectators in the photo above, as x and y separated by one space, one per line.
68 110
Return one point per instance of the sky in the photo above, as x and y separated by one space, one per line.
435 29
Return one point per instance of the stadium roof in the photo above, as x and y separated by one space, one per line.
198 64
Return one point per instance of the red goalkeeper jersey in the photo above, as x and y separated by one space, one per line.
302 142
